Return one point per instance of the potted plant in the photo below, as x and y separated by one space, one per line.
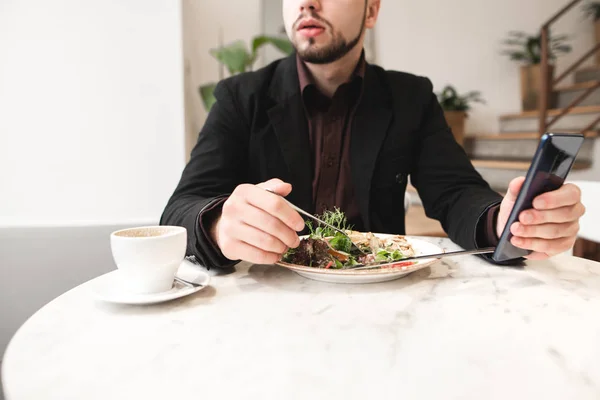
455 108
527 49
237 59
592 10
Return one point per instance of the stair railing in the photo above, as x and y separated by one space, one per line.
548 86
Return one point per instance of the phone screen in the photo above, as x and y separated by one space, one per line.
549 168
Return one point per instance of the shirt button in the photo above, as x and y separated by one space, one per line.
400 178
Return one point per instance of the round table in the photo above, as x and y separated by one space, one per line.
460 329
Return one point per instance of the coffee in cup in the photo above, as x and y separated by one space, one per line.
148 257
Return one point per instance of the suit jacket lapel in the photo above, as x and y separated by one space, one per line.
371 123
291 129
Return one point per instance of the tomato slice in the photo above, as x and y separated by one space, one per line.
403 264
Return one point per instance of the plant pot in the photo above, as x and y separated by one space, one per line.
597 26
456 120
531 87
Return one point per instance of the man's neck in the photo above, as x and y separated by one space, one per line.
328 77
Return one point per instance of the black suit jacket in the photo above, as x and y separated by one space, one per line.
257 130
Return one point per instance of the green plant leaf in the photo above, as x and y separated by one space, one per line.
517 56
474 96
450 100
207 95
559 38
234 56
513 42
281 44
592 10
449 93
518 34
528 48
565 48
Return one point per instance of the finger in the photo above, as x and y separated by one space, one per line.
557 216
277 185
514 187
567 195
275 206
548 246
267 223
238 250
545 231
259 239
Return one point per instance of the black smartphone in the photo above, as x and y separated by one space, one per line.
549 168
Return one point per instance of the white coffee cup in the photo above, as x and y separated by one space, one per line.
148 257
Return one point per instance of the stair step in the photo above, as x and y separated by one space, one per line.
516 147
587 74
513 167
576 86
551 113
520 165
564 96
528 121
499 173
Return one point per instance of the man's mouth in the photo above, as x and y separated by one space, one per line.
310 28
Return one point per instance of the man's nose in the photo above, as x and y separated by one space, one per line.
310 6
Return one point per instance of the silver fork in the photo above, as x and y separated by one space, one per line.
309 215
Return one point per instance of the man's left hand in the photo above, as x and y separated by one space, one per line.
550 227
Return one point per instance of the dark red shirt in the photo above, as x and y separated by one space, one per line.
330 128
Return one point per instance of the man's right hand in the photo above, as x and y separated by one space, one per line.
257 226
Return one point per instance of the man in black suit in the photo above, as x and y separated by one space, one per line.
325 129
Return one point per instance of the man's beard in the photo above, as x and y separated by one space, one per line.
337 49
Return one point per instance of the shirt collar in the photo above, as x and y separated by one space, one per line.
306 78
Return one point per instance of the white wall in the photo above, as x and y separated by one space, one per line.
91 93
271 24
202 20
91 110
91 131
459 42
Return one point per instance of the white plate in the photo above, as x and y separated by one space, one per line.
420 247
108 288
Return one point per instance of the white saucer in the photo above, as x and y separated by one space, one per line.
108 288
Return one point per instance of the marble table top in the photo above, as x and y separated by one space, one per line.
460 329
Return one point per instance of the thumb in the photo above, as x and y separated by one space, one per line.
277 185
514 187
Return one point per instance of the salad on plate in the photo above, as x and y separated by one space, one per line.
325 248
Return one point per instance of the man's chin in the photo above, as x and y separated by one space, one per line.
311 49
314 58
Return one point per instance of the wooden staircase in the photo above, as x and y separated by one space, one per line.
502 157
572 108
499 158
